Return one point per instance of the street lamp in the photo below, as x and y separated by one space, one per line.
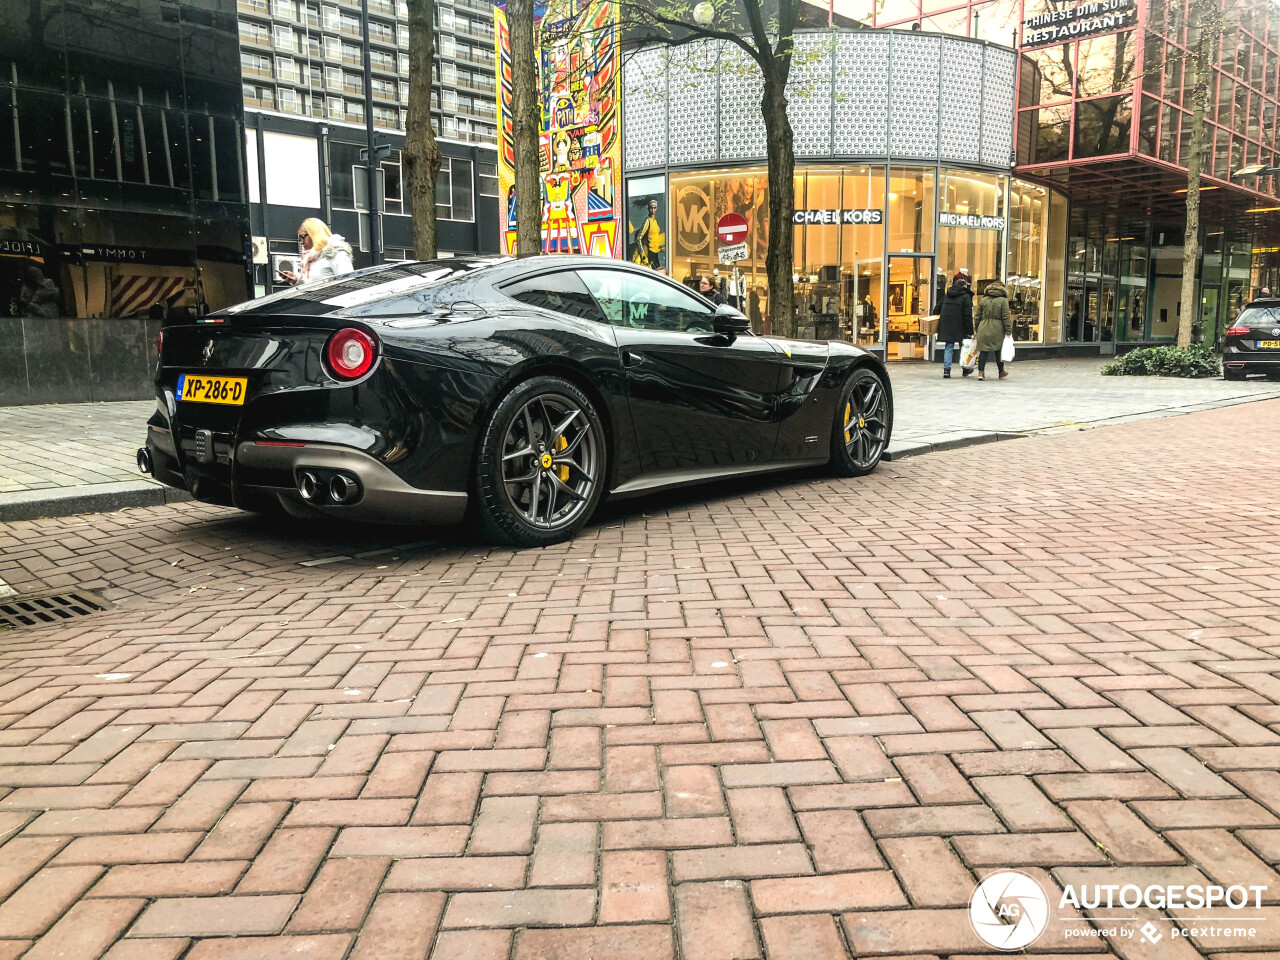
1255 170
703 14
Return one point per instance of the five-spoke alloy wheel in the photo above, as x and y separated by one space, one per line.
541 468
864 417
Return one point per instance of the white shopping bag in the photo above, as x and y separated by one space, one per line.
1006 351
968 354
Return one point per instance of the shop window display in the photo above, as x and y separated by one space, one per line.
1028 213
975 198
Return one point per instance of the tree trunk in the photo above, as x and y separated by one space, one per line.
526 118
779 259
421 152
1198 43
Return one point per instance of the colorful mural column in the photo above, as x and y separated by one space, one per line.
581 136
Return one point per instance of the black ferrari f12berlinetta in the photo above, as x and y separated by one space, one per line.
516 392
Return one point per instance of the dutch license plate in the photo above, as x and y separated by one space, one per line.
229 390
1269 344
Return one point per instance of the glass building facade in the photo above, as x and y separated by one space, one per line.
1107 119
122 187
1084 220
122 175
876 277
903 179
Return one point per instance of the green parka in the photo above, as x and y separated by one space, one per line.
994 322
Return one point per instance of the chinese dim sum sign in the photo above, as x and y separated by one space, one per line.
1083 20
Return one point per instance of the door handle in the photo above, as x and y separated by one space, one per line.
629 359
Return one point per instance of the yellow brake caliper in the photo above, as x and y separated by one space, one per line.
848 415
563 472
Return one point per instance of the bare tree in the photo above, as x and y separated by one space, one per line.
1204 29
421 152
766 34
526 118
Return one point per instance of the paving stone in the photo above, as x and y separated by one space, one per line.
215 916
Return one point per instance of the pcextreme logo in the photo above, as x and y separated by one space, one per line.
1009 910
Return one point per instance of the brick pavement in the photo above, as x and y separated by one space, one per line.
798 720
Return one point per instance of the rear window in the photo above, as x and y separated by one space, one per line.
1259 317
366 288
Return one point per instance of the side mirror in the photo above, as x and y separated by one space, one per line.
730 322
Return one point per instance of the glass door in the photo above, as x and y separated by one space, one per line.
1107 313
908 298
863 307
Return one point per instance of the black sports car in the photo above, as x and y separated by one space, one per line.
521 390
1252 343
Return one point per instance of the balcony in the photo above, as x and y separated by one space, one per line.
258 9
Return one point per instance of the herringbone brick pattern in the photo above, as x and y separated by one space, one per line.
797 720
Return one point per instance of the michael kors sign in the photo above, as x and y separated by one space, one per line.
838 216
970 220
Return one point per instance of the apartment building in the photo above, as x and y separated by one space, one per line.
302 68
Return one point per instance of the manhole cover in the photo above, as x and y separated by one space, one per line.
53 608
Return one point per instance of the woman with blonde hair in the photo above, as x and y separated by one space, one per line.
324 254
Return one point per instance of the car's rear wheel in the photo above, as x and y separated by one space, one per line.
541 467
860 432
1229 374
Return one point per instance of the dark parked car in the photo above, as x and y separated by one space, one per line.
521 390
1252 343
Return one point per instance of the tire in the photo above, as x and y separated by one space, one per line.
860 428
528 494
1229 374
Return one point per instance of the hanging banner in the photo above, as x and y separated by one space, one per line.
580 139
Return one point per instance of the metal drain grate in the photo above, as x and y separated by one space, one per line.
54 608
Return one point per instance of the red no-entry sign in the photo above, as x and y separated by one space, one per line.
731 228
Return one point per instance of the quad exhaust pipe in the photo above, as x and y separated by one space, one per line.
328 487
144 461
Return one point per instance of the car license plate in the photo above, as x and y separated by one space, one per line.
1269 344
229 390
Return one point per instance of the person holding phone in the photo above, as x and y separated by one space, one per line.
324 254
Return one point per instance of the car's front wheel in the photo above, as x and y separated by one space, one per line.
540 471
860 431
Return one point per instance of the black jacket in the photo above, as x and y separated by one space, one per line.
955 318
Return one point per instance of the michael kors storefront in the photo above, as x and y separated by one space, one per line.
901 180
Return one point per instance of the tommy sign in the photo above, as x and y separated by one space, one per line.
838 216
1084 20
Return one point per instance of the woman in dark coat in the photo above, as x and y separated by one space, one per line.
955 321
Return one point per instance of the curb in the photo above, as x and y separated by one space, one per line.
948 441
94 498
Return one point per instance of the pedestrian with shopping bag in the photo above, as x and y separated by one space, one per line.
995 325
955 322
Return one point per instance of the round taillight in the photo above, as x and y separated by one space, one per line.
159 343
351 353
